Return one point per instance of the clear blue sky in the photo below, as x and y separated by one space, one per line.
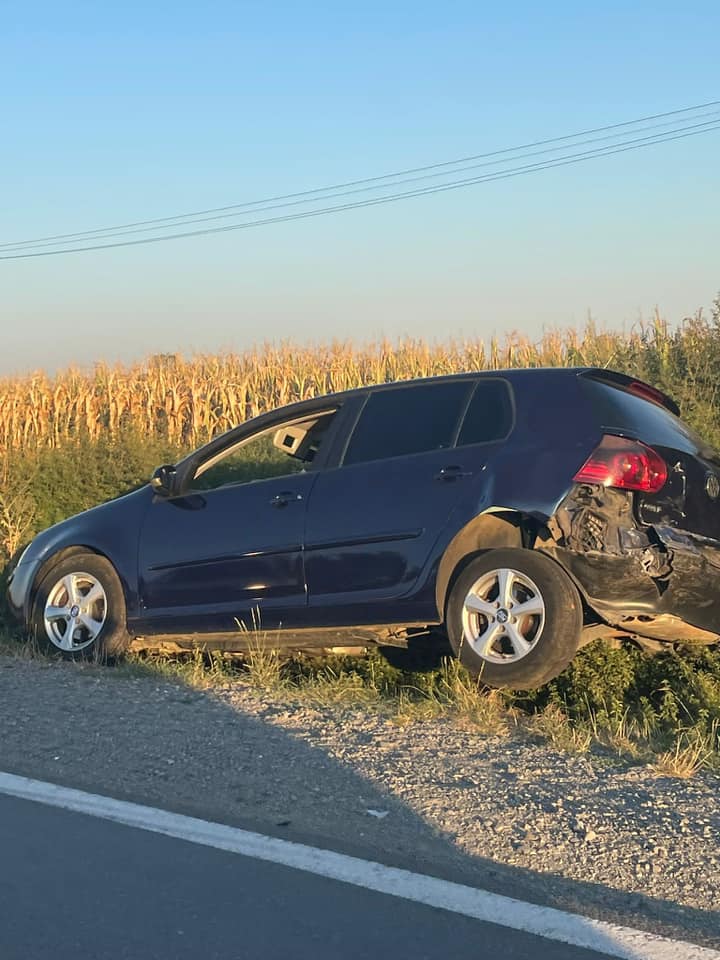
117 112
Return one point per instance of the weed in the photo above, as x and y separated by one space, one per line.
564 732
411 708
467 699
264 666
691 751
18 647
341 688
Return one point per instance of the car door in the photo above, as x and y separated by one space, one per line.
229 550
372 521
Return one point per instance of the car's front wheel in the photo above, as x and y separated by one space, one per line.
79 608
514 618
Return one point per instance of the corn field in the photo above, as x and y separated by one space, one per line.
188 401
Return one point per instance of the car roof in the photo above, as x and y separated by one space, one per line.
509 373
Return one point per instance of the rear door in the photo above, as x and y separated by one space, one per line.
373 520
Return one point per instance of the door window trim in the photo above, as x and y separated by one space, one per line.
469 378
513 414
312 466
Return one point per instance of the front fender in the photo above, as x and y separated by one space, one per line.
111 530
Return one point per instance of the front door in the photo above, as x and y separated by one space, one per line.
223 559
228 553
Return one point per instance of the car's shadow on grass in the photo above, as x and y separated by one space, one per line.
137 735
423 653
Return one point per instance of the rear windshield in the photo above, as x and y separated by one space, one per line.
617 409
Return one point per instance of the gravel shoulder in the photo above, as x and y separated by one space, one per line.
588 834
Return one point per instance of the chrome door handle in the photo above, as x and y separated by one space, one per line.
283 499
451 473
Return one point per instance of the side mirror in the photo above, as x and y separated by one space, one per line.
163 480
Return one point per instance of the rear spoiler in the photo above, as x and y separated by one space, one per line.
637 387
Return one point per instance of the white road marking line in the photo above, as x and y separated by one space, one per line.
606 938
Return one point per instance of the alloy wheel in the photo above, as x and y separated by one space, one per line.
503 616
75 612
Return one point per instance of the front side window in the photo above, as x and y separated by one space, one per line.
406 420
279 451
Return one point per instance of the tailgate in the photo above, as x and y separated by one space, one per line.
690 499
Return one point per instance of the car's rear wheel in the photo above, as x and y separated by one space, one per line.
79 608
514 618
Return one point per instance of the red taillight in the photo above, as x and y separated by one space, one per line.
626 464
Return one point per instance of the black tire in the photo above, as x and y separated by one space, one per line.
552 636
82 570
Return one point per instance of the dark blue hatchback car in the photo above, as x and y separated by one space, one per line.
525 511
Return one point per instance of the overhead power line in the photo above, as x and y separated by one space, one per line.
265 206
683 125
369 180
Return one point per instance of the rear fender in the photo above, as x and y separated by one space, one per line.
494 528
646 580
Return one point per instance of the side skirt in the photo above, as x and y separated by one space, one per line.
306 639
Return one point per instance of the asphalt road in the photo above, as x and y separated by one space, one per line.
74 887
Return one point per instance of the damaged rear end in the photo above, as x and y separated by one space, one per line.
639 530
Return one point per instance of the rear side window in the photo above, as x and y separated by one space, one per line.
407 420
490 414
617 409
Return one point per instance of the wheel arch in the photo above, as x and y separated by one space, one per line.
56 558
494 528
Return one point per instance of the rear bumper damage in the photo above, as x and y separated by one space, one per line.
655 581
